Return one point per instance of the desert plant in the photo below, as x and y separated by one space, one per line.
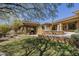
40 44
16 24
75 38
77 31
4 28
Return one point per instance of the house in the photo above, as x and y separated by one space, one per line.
29 27
68 25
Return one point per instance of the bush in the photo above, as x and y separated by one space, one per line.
75 36
16 24
76 31
4 28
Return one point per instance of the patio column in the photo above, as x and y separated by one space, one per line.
45 27
77 25
67 27
40 30
59 27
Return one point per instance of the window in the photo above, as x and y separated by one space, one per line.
54 27
72 26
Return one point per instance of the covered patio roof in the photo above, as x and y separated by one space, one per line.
67 20
30 24
48 24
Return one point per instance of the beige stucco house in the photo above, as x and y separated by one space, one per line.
68 24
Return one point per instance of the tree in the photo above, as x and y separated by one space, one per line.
30 10
16 24
4 28
40 44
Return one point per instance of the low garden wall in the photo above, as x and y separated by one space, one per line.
53 32
57 39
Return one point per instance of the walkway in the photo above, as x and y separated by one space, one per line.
66 34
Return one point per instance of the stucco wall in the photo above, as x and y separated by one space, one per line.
40 30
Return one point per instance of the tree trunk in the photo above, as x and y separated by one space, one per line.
41 53
76 42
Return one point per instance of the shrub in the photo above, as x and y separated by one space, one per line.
75 38
4 28
77 31
16 24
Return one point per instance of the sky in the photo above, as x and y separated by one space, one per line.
64 12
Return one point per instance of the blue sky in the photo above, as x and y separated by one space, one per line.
64 12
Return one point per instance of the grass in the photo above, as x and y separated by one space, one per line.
23 36
14 46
